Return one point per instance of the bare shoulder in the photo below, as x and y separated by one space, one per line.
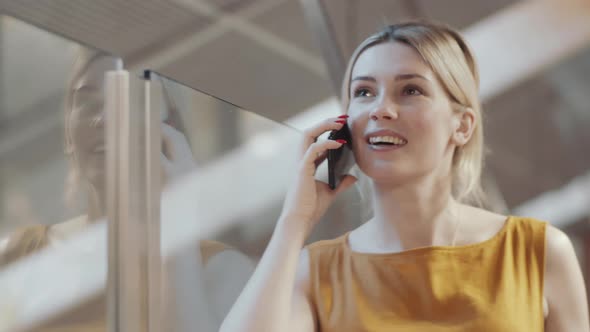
558 243
564 285
560 255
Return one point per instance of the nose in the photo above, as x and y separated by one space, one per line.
384 111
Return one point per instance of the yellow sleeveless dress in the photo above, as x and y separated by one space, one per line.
495 285
90 316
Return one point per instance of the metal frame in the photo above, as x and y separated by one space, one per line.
117 129
133 186
151 141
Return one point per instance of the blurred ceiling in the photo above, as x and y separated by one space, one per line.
262 56
279 70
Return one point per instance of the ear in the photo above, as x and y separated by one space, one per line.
463 126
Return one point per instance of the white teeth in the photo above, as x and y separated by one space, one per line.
386 139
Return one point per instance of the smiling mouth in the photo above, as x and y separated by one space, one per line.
387 141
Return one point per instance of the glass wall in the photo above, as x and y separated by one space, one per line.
52 180
68 166
226 171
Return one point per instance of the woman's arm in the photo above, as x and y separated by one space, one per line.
564 286
275 298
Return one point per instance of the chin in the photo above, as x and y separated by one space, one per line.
393 173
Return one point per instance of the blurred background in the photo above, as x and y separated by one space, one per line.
238 80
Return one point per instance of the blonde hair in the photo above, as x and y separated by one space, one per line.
452 61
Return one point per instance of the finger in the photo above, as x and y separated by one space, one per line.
347 181
311 135
324 187
316 149
321 158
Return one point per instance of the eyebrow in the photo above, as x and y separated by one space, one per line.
400 77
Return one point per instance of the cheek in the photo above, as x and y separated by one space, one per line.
432 124
74 127
356 110
422 124
80 132
79 136
357 122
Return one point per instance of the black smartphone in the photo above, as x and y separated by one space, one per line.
340 160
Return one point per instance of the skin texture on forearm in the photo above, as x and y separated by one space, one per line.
265 302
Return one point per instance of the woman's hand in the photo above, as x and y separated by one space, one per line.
308 199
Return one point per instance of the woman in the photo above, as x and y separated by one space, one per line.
224 270
426 261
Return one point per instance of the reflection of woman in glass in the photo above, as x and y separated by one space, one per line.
85 149
426 261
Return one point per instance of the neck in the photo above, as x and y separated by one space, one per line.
417 214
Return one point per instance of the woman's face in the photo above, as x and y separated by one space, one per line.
400 116
87 119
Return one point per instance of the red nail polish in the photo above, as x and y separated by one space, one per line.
341 141
343 116
341 121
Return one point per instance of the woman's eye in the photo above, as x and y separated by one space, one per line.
412 91
363 93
